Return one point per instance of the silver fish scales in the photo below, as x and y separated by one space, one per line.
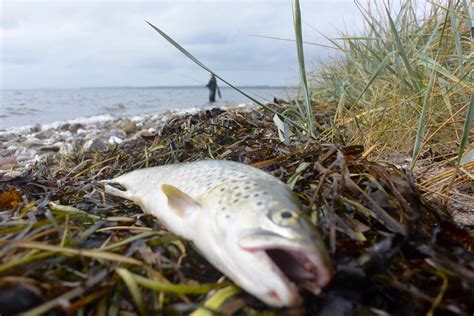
245 222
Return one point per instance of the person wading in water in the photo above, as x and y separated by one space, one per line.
212 86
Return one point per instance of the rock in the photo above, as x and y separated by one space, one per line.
47 134
7 152
194 120
214 112
67 148
65 127
129 128
114 140
7 163
13 146
32 141
64 135
147 133
117 133
36 128
95 144
91 133
25 154
53 148
75 127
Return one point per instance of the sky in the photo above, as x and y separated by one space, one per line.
72 44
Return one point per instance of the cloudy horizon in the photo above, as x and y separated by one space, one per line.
71 44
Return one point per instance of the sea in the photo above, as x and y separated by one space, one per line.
20 109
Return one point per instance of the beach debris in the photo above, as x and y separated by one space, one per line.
244 221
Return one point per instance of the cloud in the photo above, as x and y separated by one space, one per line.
84 43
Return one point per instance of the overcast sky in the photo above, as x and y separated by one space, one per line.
71 44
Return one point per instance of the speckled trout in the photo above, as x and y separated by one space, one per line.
245 222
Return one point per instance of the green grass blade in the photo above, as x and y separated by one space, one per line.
133 289
468 19
301 63
455 29
215 302
422 121
403 55
195 289
467 128
292 40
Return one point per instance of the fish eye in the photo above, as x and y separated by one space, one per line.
285 217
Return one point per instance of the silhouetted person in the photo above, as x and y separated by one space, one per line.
212 86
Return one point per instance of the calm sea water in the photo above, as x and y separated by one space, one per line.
20 108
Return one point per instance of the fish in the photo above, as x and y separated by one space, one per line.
247 223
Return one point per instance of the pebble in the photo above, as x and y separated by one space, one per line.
114 140
67 148
95 144
129 128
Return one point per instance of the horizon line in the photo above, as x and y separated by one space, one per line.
153 87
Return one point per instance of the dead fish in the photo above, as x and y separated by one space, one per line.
245 222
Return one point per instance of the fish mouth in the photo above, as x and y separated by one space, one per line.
298 267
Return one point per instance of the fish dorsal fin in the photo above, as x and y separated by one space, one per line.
178 201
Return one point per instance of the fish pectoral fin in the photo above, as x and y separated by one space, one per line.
178 201
109 188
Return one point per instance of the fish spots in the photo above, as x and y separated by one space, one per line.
246 196
222 189
259 203
256 195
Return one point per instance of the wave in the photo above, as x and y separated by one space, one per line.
81 120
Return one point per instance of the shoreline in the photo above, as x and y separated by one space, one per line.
22 147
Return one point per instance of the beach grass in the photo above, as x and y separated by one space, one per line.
405 84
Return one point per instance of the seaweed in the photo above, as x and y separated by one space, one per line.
67 248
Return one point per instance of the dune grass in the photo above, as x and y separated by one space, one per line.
403 89
405 84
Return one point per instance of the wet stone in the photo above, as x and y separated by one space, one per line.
95 144
53 148
36 128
